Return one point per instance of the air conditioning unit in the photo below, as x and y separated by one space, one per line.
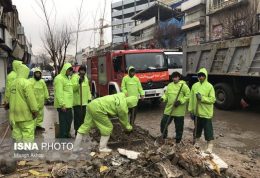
20 30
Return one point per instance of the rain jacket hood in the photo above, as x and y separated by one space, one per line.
65 67
23 71
204 71
37 69
131 67
131 101
10 79
15 65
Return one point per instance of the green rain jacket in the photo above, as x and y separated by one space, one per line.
86 94
206 105
63 90
112 106
170 96
40 90
132 86
10 79
22 99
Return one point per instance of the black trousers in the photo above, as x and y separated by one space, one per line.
206 125
65 120
79 116
179 124
132 115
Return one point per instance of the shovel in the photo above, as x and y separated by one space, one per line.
196 122
160 140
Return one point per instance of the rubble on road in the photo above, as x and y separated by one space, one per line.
142 160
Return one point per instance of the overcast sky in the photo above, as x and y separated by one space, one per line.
31 17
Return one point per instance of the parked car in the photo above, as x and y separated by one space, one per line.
46 76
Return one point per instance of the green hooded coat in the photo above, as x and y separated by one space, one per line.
41 94
86 94
170 96
206 105
10 79
100 109
63 90
40 90
132 85
22 98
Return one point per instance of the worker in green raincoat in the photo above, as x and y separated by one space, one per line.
175 110
201 106
41 94
131 86
9 80
23 106
99 111
81 96
63 99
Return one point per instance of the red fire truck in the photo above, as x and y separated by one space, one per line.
105 71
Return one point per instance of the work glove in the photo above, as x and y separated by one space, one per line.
34 114
192 116
89 101
177 103
161 99
81 79
198 95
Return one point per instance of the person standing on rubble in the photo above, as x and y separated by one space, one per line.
201 106
23 107
131 86
175 108
41 93
63 99
82 96
9 80
99 111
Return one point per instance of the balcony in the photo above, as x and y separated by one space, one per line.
8 41
199 22
145 36
225 4
190 4
144 25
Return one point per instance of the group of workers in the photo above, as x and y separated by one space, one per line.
25 100
72 99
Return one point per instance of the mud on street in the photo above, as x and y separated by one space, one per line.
237 142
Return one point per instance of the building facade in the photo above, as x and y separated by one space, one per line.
213 20
13 42
121 13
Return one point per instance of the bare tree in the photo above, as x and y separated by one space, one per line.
239 21
168 36
78 28
56 41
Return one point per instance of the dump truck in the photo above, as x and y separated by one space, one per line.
233 66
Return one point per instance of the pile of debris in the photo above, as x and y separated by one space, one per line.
133 155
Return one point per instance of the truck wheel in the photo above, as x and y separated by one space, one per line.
225 97
112 90
93 91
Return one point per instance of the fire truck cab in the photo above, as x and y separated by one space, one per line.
106 71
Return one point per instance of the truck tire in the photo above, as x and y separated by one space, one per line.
93 91
225 97
112 90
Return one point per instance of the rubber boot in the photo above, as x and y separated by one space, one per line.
209 147
103 144
77 143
